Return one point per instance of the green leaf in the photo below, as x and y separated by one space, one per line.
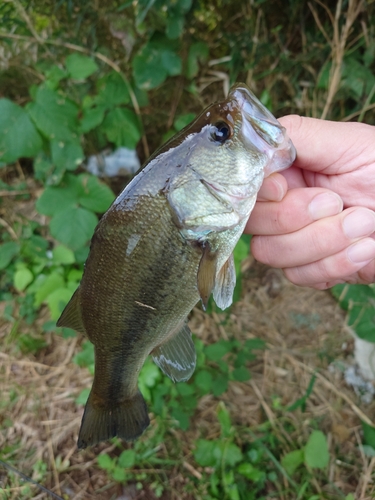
57 199
95 195
106 462
198 52
204 452
182 417
183 120
127 459
122 128
232 454
82 398
216 351
22 278
7 252
112 91
368 434
57 300
92 117
219 384
119 474
80 66
86 357
48 285
148 72
54 115
175 25
292 460
241 374
19 136
66 155
316 451
252 473
203 380
73 226
54 75
62 255
224 419
171 62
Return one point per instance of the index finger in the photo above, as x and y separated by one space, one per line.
329 147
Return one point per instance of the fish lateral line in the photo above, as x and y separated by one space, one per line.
145 305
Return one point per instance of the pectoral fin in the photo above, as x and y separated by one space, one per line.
176 357
71 315
206 274
225 283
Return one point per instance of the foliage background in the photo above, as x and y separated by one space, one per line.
77 77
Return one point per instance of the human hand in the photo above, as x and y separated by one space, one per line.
316 220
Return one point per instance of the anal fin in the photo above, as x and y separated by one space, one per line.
225 283
176 357
71 315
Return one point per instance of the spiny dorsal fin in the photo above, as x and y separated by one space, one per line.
176 357
225 283
71 315
206 274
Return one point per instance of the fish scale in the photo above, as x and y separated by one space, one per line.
164 244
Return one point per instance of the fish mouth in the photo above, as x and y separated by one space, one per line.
262 131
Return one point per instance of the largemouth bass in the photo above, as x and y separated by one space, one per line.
164 244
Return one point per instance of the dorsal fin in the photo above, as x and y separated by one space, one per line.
71 316
176 357
225 283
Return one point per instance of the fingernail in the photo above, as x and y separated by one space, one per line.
324 205
362 251
359 223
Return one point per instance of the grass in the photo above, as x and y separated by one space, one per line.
291 431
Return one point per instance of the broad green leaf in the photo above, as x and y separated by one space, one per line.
231 454
92 117
171 62
362 320
122 128
95 195
7 252
224 418
198 52
217 350
82 398
119 474
54 115
147 72
219 384
105 461
203 380
127 459
80 66
316 451
183 120
182 417
86 357
62 255
57 300
22 277
368 434
18 136
241 374
58 199
112 91
54 75
66 155
204 453
49 285
73 226
250 472
175 25
292 460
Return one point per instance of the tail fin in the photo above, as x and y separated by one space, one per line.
127 421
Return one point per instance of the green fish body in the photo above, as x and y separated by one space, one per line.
164 244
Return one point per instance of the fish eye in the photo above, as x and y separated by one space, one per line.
221 132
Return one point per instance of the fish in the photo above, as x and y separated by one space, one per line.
165 244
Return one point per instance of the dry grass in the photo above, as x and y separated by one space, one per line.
304 330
